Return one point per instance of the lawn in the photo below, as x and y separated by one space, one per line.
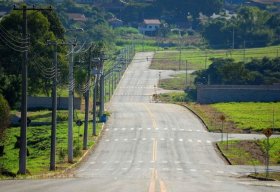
200 59
38 143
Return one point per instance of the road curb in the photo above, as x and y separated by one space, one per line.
223 155
200 119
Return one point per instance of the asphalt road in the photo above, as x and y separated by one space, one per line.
150 147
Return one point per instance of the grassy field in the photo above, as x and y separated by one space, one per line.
38 142
199 59
240 117
254 116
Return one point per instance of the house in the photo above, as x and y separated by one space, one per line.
77 17
149 27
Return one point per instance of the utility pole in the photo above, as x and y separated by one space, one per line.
85 141
244 52
186 73
101 107
94 107
24 74
233 39
95 88
70 105
54 109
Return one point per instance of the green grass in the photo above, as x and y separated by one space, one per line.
245 152
172 97
199 59
236 154
176 82
254 116
38 142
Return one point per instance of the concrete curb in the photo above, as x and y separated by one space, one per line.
222 154
200 119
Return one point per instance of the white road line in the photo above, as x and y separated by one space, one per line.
162 139
171 139
125 140
199 141
193 170
107 140
115 129
144 139
179 169
182 129
181 140
190 140
131 129
116 140
123 129
208 141
220 172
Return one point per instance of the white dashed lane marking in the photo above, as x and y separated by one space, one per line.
157 129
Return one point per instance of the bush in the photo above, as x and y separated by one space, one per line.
4 117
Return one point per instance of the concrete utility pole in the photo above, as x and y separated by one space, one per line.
102 82
54 109
95 88
85 141
70 105
24 74
186 73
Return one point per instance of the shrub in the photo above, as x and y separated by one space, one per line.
4 117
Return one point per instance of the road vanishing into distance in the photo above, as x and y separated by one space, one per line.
151 147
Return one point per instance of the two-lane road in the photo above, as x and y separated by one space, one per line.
149 147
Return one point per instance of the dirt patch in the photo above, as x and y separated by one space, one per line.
254 149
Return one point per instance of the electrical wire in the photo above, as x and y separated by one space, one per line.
12 46
13 37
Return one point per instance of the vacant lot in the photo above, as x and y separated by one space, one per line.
196 59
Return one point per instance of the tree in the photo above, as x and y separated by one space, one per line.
227 72
4 121
40 30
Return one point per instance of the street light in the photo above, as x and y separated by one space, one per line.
180 58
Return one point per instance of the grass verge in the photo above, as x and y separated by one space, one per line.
38 143
252 153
